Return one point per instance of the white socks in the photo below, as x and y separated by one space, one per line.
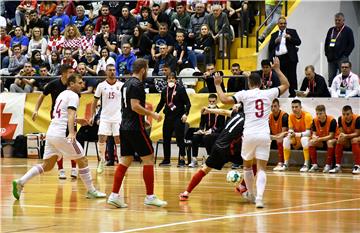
85 176
102 150
249 179
34 171
260 184
118 151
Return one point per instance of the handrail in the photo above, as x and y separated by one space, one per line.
265 21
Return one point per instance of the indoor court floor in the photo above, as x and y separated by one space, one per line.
294 202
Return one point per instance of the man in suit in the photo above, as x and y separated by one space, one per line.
283 44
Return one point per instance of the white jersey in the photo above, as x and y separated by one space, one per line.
110 101
59 123
257 108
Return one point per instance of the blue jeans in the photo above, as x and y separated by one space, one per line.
273 20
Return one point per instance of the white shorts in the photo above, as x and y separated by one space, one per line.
62 148
256 146
109 128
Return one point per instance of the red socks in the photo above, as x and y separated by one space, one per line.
195 180
73 164
356 153
313 154
330 155
280 152
339 153
60 163
148 176
118 177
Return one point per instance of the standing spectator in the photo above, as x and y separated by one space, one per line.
90 62
269 78
126 25
72 40
16 61
345 84
105 60
236 84
220 28
313 85
180 19
141 44
197 20
88 40
54 63
164 58
163 37
204 46
25 7
177 108
55 43
106 17
68 59
19 38
283 44
32 22
125 61
4 47
105 39
339 44
60 19
80 20
37 42
273 20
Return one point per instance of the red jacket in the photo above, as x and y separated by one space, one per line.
112 23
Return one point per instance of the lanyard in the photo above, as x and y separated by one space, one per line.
312 85
172 95
209 123
345 82
332 33
268 83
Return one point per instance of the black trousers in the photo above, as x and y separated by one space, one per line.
203 140
288 67
170 125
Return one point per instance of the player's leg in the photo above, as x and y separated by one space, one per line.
339 150
305 145
179 128
356 154
104 131
196 141
168 128
241 188
116 133
313 145
249 179
260 182
287 151
280 148
330 155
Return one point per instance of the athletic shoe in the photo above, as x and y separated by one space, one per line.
235 166
326 168
95 194
181 163
283 167
165 163
101 167
304 168
62 175
314 168
248 196
278 166
336 169
193 163
259 203
110 163
183 197
242 190
154 201
73 173
17 188
356 169
117 202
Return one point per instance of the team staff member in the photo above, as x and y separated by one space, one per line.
177 108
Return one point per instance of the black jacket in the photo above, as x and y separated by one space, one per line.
344 44
169 59
291 44
319 89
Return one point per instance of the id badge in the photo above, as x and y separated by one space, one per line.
172 106
332 43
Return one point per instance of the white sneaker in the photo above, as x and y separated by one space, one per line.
248 196
336 169
95 194
62 175
259 203
326 168
314 168
116 201
193 163
278 166
154 201
283 167
356 169
304 168
101 166
73 173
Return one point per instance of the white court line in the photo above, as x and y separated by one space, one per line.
251 214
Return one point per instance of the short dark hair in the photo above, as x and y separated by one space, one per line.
276 100
320 108
139 64
16 45
104 23
347 108
155 5
32 12
265 62
72 78
339 14
64 68
164 25
255 80
212 96
296 101
346 62
235 65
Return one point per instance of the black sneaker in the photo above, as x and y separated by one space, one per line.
235 166
110 163
165 163
181 163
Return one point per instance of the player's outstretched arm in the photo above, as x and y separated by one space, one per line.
284 83
136 107
37 106
222 112
71 124
223 98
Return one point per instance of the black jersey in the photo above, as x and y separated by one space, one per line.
133 88
54 88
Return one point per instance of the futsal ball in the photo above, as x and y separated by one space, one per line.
233 176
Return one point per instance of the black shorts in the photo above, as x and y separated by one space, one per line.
219 156
132 142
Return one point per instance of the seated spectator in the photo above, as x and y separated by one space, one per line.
90 62
198 19
141 4
80 20
209 78
141 44
278 122
25 6
349 127
40 83
37 42
105 39
236 84
204 46
36 61
144 19
313 85
90 83
4 48
33 21
88 40
211 3
163 37
180 19
182 54
54 63
269 78
126 25
68 59
55 42
220 28
19 38
298 135
17 62
125 60
47 9
211 125
104 60
164 58
324 131
158 17
345 84
106 17
239 10
24 85
72 40
60 19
